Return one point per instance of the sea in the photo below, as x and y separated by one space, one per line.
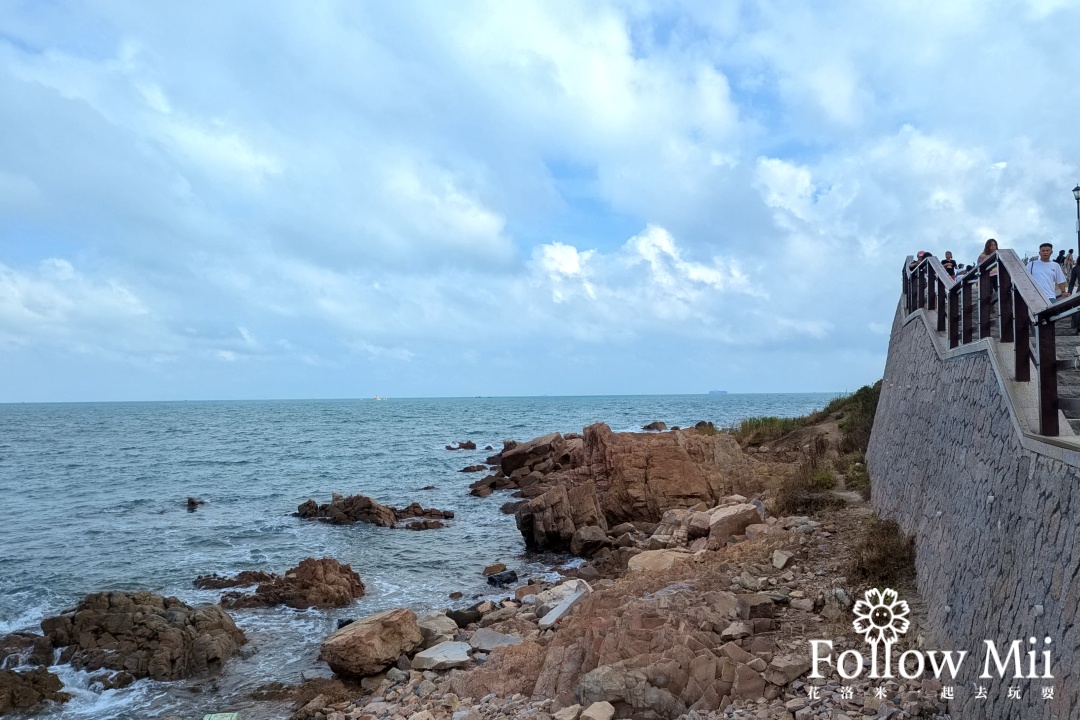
95 499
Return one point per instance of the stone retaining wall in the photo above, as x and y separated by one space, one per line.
995 515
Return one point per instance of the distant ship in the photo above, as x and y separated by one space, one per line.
378 398
718 392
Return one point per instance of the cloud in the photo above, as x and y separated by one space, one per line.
57 305
411 191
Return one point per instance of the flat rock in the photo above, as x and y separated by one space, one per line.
443 656
655 560
785 668
436 627
486 640
579 590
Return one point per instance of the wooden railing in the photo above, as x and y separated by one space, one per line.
1026 319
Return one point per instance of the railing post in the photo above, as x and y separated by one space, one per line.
986 291
966 302
1021 340
954 316
1048 396
1005 304
941 300
931 288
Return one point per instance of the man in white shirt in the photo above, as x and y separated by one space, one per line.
1047 274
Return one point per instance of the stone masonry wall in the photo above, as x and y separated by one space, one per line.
997 537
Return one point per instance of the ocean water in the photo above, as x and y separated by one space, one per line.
96 496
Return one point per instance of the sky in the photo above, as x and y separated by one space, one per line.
208 200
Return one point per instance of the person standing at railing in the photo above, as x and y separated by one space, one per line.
989 249
1068 265
950 266
1048 275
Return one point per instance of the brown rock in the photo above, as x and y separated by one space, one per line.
360 508
549 521
546 522
146 635
355 508
729 521
589 540
495 568
526 453
319 583
642 475
371 644
462 445
25 691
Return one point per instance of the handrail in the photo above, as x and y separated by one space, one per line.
1026 319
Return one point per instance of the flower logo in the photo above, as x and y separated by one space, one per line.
881 616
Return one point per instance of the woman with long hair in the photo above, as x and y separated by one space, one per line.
989 249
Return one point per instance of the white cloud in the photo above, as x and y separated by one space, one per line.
409 185
55 304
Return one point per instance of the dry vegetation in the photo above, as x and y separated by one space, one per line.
809 487
883 555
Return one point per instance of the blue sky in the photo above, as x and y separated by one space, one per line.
341 199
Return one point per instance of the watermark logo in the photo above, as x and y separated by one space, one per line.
881 617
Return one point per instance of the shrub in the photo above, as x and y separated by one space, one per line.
856 413
858 420
807 490
758 430
823 479
884 555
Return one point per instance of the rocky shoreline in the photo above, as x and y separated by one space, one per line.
693 600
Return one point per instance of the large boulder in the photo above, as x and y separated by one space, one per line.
548 522
145 635
26 691
640 476
371 644
731 520
321 583
527 454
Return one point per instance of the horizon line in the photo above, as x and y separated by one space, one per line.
372 398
